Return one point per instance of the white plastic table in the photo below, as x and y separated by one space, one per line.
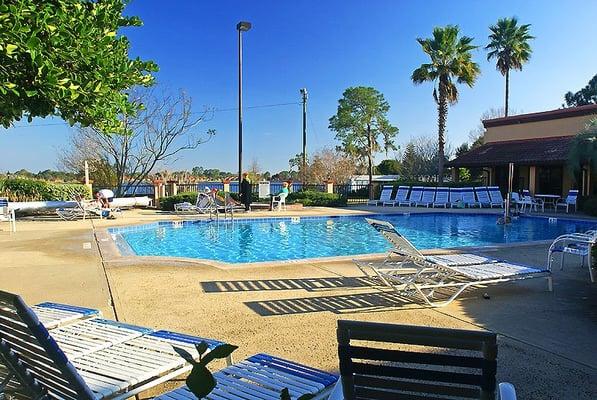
550 199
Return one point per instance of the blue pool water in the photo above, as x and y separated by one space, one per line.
276 239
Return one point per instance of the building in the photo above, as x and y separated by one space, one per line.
538 144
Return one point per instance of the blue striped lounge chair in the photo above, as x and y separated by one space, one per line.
87 360
7 214
442 197
570 200
427 276
385 195
401 197
415 195
53 315
483 196
263 376
456 197
495 196
427 197
468 197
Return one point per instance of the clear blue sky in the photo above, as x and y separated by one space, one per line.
327 46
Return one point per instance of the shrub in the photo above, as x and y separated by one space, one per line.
308 198
20 189
589 205
167 203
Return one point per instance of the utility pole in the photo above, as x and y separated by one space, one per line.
241 27
304 169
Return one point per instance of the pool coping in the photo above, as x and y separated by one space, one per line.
113 253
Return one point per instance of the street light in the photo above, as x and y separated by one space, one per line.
241 27
304 160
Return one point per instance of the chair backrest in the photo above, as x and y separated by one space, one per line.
3 205
400 243
386 193
526 195
28 350
482 194
515 197
402 193
416 193
468 195
428 195
385 361
442 194
495 194
572 196
455 195
204 201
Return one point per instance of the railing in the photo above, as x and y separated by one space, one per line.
356 193
144 189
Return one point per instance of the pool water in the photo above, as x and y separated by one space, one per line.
275 239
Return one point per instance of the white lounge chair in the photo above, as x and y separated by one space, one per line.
39 368
570 200
442 197
204 204
579 244
263 376
84 209
53 315
456 198
483 196
495 196
428 276
7 214
533 203
427 197
468 197
385 195
416 193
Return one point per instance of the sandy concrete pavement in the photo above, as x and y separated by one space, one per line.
546 340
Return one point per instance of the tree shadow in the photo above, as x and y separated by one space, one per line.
308 284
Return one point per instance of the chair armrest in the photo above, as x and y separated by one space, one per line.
507 391
337 393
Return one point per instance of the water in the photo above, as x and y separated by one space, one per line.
276 239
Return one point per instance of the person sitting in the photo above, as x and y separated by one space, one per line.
280 198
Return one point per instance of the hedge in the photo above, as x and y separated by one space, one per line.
589 205
21 189
310 198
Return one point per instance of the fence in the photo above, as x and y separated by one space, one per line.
356 193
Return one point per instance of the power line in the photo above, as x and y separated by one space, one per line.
196 112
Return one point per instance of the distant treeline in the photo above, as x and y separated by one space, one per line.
47 175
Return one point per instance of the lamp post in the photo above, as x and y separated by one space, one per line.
241 27
304 94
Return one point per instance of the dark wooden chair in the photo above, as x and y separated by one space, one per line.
385 361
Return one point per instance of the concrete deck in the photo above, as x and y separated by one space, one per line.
547 341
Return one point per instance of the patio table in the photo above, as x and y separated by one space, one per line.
549 199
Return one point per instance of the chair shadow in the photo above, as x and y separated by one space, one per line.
308 284
341 304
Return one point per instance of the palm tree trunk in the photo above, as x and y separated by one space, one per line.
507 91
370 160
442 111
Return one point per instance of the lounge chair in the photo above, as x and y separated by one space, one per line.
204 204
38 367
533 203
427 276
495 196
456 198
442 197
7 214
392 200
427 197
84 209
416 193
387 361
402 196
579 244
483 196
468 197
263 376
570 200
385 195
53 315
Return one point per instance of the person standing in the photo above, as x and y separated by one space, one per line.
245 192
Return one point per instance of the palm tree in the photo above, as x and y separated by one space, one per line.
451 60
509 45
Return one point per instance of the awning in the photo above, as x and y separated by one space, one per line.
539 151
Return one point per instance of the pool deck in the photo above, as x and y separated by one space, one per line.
547 341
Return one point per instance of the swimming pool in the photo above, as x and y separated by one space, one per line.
275 239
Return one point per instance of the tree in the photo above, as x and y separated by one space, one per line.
476 136
451 59
389 167
585 96
254 171
509 46
164 128
420 158
584 148
330 165
65 58
360 122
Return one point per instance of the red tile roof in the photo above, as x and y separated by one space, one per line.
521 152
542 116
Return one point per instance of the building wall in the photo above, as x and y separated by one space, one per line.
533 130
